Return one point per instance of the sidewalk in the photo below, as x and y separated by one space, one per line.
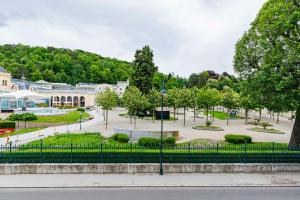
36 135
150 180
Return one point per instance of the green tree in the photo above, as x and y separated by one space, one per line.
144 69
107 100
134 101
207 99
248 103
267 57
230 99
184 101
154 97
173 100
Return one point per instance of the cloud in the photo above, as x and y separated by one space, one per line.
186 36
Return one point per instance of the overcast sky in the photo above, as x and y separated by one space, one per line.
186 35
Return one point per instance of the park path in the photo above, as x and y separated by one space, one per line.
36 135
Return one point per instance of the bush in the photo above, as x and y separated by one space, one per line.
81 109
155 142
264 124
120 137
238 139
7 124
22 117
208 123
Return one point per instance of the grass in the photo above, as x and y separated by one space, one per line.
266 130
219 115
67 139
91 142
22 131
209 128
70 117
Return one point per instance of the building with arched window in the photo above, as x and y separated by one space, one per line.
58 94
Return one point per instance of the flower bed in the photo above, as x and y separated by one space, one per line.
6 130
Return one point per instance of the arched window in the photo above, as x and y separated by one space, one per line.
82 101
56 99
75 101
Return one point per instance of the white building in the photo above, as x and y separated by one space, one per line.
59 94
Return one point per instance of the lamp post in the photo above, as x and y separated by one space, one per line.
163 92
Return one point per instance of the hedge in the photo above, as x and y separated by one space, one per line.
120 137
155 142
22 117
7 124
238 139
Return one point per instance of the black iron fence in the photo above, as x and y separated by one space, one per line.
133 153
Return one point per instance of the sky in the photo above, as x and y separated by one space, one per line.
187 36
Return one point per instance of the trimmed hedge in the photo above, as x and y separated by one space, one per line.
81 109
238 139
120 137
22 117
7 124
155 142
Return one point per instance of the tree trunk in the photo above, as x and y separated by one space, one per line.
213 113
295 137
246 115
153 115
277 120
130 116
135 121
184 117
106 119
194 114
259 114
206 114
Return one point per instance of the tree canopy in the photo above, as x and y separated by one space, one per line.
62 65
268 57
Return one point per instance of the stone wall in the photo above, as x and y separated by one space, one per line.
6 169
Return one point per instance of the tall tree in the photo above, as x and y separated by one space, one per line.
230 99
184 101
268 57
107 100
134 101
154 100
207 99
144 69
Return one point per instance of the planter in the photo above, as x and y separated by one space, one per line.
212 128
266 130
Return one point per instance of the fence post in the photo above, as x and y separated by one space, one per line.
10 155
245 152
273 151
101 152
189 153
41 152
217 152
71 152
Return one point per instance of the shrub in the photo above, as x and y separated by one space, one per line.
170 141
22 117
80 109
120 137
264 124
238 139
7 124
208 123
155 142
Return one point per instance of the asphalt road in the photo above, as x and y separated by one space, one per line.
144 193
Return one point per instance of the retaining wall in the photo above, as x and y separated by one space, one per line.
6 169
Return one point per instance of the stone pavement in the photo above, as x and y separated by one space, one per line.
150 180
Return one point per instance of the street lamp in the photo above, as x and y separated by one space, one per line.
163 92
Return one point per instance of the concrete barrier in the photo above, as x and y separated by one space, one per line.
132 168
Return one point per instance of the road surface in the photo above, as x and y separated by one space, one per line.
157 193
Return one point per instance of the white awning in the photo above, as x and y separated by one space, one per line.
31 96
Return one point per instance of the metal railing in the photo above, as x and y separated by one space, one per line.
134 153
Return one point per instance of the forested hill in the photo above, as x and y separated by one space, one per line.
61 65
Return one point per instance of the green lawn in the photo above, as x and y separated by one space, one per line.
22 131
218 115
67 139
70 117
